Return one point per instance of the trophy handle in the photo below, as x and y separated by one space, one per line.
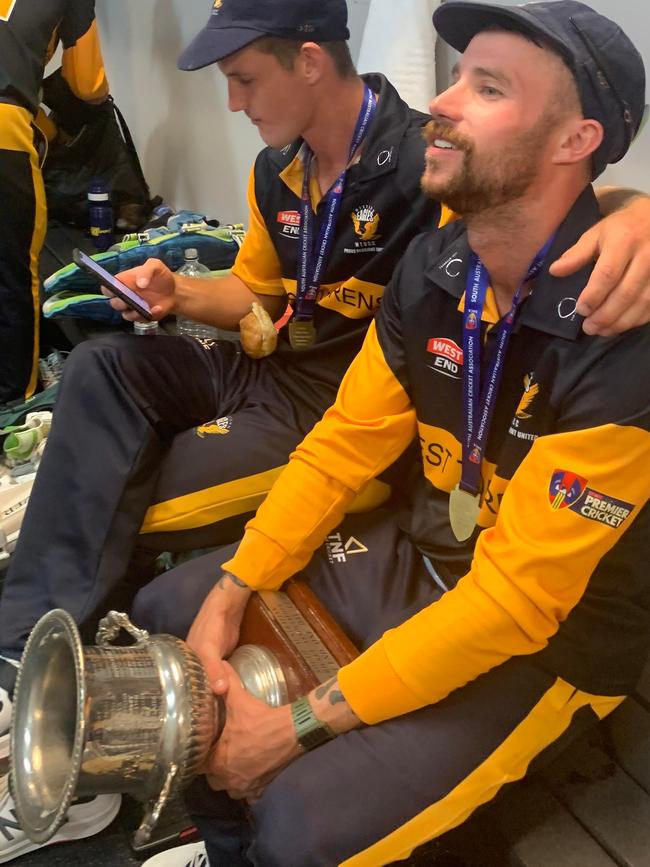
152 814
109 628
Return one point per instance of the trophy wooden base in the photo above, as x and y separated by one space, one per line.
295 626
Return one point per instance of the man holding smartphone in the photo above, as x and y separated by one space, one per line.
169 443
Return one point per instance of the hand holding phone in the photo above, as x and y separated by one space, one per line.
120 290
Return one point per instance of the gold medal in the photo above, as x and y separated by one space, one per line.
302 333
464 510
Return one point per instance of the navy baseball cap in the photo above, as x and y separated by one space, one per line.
234 24
607 68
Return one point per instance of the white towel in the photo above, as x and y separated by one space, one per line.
399 41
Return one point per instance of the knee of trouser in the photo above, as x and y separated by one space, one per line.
291 825
93 356
152 609
166 605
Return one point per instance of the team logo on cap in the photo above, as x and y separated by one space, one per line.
218 4
366 223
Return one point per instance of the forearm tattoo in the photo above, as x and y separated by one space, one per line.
330 691
228 577
322 690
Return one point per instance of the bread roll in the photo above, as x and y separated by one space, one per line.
257 331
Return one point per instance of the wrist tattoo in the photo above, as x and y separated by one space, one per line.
330 691
233 579
322 690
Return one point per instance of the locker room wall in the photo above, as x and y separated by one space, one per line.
195 153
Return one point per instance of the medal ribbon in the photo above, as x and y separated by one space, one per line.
479 401
314 257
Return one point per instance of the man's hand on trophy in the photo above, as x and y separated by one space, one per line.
215 631
256 743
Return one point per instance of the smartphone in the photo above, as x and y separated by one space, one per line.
135 301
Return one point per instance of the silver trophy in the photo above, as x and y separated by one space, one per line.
139 719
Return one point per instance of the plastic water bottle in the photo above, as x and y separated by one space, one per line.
100 215
188 327
145 328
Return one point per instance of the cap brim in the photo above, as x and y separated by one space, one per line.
211 45
459 22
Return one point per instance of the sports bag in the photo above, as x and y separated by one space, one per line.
100 145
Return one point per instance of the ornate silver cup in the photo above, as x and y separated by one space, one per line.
139 719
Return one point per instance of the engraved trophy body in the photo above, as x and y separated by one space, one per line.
142 719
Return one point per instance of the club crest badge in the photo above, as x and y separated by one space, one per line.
366 223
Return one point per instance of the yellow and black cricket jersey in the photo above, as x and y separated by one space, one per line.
559 564
382 210
29 32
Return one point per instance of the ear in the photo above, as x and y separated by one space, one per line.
578 140
312 62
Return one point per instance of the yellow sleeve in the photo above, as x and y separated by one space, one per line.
83 67
368 427
529 571
257 263
46 125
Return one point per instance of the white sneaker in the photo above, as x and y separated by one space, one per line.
190 855
84 819
5 722
13 503
5 714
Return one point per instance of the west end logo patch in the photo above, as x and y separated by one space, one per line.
568 490
448 356
290 222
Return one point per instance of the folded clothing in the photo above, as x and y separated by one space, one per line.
85 305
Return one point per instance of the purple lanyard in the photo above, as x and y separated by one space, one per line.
309 273
479 402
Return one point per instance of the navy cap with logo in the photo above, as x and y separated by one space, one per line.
607 68
234 24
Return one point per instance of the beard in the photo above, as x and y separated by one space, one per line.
489 180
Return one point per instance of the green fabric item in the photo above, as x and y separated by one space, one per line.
14 413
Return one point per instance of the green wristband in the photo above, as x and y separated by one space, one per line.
310 731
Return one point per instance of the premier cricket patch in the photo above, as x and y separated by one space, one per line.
568 490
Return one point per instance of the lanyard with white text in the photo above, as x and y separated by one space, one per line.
313 257
479 402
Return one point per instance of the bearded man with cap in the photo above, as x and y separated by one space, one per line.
507 606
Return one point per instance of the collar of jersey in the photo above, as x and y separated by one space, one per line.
544 309
380 151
